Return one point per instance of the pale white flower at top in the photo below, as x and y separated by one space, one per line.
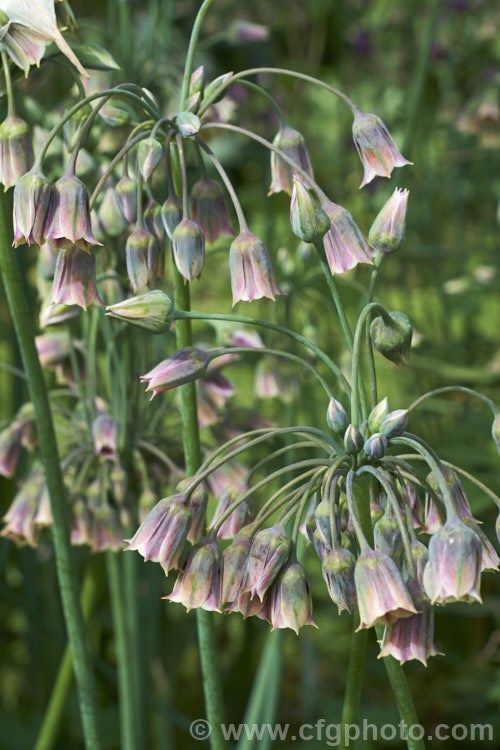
39 16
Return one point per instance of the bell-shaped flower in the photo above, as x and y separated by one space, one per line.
199 582
252 276
453 569
182 367
16 150
292 143
338 572
75 279
188 243
382 595
375 145
210 209
269 552
344 243
31 204
290 604
68 218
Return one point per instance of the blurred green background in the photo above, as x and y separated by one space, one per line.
431 70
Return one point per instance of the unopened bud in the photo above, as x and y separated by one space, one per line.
353 440
377 414
336 416
149 153
141 254
376 446
188 124
188 243
338 572
152 310
210 209
184 366
394 423
388 231
16 150
126 197
392 339
309 221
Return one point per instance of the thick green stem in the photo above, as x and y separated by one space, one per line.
192 452
66 572
356 386
128 727
401 693
47 735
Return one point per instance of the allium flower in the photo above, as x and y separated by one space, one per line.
106 529
290 604
111 218
237 519
52 348
432 518
171 214
75 279
252 275
149 154
292 143
213 392
251 606
31 25
412 637
392 336
126 197
210 209
10 446
31 202
199 582
16 150
375 145
182 367
80 523
105 436
382 595
20 517
141 255
154 223
338 572
388 231
188 243
235 561
68 218
162 535
453 570
269 552
344 243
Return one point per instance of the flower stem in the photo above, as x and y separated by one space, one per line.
191 438
66 572
401 693
47 735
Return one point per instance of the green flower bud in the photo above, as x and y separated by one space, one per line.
392 339
394 423
388 230
336 416
376 446
187 124
377 414
353 440
153 311
309 221
149 154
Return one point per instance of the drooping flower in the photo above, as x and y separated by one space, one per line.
68 218
182 367
252 276
382 595
338 572
16 150
141 255
292 143
210 209
105 436
412 637
375 145
199 582
269 552
188 243
31 202
290 604
162 535
453 569
344 243
75 279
